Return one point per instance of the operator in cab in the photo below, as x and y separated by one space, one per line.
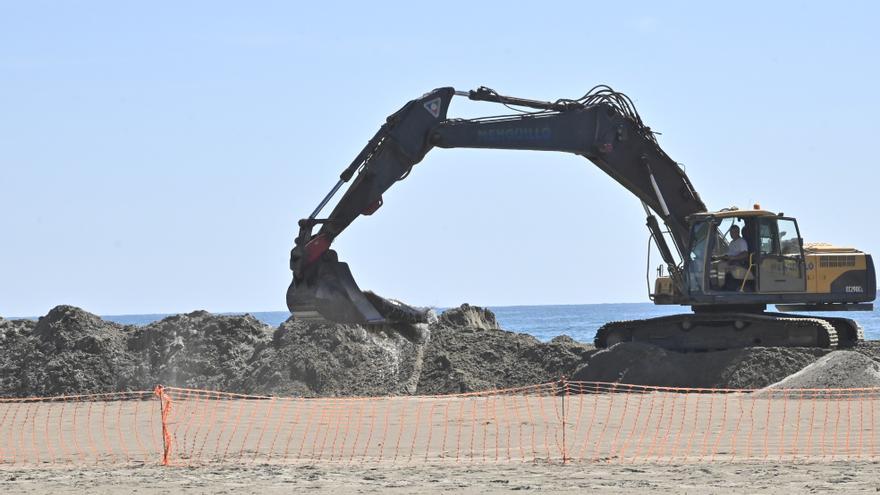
734 261
738 249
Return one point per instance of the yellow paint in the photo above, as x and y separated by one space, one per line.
663 286
822 269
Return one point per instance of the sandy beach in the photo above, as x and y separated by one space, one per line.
849 477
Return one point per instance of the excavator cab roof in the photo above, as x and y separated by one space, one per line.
734 213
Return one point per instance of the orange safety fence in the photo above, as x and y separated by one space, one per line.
122 427
561 421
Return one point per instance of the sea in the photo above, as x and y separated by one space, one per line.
578 321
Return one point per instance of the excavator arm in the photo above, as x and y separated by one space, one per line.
601 126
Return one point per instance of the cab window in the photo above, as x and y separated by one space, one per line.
697 255
779 237
723 237
789 241
767 238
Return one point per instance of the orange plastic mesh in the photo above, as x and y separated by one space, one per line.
553 422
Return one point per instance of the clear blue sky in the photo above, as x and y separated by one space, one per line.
156 157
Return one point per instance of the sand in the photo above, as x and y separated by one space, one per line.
839 369
846 477
317 472
71 351
522 426
638 363
616 442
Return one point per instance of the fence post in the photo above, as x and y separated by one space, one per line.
563 382
165 410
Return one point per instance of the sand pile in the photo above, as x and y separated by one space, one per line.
240 354
201 350
838 369
468 352
329 360
16 344
467 316
644 364
70 351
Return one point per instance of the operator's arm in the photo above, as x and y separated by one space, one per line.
735 257
738 250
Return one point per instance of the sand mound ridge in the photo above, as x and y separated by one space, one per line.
71 351
68 351
467 352
644 364
838 369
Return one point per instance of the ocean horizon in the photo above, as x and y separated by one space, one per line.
578 321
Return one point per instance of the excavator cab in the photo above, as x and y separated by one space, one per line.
775 262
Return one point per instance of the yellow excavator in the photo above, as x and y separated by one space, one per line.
727 265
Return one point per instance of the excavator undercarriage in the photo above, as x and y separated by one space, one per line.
716 331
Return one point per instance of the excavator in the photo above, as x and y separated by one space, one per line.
728 293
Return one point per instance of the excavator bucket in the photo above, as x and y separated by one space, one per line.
330 293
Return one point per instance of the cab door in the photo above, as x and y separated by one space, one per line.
781 266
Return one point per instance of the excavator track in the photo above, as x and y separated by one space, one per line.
718 331
849 332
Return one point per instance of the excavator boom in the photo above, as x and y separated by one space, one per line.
601 126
